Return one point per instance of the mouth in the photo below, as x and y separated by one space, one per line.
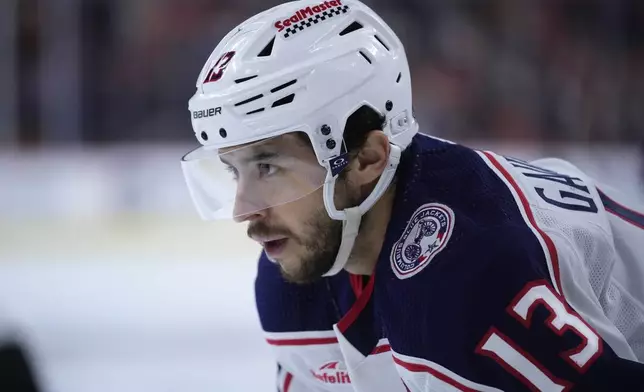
274 248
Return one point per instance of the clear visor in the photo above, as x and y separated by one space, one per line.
237 181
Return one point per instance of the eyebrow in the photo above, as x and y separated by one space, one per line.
258 156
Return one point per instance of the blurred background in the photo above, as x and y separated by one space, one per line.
108 277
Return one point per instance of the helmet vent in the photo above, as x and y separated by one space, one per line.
399 76
268 49
382 43
365 57
255 111
251 99
283 101
242 80
283 86
350 28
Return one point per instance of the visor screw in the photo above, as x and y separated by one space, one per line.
389 105
222 132
326 130
330 144
204 135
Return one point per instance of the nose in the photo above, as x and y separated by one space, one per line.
247 210
251 216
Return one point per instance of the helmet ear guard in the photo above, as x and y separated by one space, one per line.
304 66
381 186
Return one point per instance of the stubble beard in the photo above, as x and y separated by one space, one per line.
321 244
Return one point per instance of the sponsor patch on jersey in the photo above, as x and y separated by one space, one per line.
426 234
310 16
333 372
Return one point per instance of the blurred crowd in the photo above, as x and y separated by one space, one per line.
529 70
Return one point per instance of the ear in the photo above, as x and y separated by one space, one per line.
371 160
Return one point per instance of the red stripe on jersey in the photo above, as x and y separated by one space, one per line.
287 382
418 368
526 206
621 211
381 349
301 342
358 306
356 284
622 217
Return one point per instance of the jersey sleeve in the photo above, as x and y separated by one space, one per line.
534 338
504 325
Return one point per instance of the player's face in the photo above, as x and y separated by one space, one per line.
307 239
299 235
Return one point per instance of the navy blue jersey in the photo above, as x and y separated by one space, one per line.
486 281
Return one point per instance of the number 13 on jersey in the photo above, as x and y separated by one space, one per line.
515 360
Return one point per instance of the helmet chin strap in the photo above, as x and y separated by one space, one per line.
352 216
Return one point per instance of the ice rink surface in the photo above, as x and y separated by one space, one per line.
103 312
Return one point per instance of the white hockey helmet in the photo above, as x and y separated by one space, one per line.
303 66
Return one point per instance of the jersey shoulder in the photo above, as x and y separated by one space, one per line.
473 258
452 196
450 205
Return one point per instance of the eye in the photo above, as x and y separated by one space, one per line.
266 169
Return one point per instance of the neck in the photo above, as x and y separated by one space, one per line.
371 237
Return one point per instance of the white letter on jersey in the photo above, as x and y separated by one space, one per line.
519 363
560 321
501 350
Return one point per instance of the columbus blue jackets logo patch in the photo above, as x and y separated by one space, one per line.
426 234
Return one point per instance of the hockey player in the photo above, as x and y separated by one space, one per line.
395 261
